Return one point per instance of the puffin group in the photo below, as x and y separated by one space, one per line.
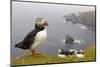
62 53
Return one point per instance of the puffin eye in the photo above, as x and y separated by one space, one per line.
39 20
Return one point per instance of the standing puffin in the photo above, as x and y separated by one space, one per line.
36 37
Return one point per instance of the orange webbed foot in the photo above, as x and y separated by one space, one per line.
35 53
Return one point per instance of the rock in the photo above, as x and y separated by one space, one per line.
69 39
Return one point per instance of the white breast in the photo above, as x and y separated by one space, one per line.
40 38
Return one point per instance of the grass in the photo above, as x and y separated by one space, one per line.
28 59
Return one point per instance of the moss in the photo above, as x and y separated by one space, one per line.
28 59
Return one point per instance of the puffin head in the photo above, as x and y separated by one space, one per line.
41 22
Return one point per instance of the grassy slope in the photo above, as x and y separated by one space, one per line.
89 56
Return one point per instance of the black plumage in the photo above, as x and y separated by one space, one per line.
29 39
67 52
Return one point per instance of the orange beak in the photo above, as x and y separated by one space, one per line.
45 23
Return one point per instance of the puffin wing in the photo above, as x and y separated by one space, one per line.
28 40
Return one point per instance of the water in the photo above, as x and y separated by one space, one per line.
23 15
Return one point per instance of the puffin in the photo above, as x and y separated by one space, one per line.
62 53
35 38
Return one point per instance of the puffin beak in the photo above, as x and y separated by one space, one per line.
45 23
